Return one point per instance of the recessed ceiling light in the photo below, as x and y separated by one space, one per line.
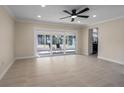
94 15
73 16
39 16
78 21
43 5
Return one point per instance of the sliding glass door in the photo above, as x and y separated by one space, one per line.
70 44
55 44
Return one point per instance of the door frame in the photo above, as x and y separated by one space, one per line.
90 40
53 32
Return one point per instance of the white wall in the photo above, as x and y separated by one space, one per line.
25 36
6 41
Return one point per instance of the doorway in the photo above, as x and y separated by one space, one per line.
93 41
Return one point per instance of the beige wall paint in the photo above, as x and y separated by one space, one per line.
25 36
111 40
84 40
6 40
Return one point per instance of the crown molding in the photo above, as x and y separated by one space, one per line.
77 26
9 11
47 22
109 20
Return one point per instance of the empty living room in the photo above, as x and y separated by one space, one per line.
61 45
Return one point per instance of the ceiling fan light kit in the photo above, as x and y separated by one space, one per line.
73 16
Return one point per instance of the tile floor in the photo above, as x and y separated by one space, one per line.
64 71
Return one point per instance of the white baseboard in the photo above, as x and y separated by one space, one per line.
17 58
110 60
6 69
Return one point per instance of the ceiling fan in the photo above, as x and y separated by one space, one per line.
73 14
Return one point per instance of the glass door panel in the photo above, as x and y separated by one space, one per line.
43 47
57 44
70 44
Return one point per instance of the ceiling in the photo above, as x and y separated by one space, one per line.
53 13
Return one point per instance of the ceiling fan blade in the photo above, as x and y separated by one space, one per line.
67 12
83 16
72 19
65 17
84 10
